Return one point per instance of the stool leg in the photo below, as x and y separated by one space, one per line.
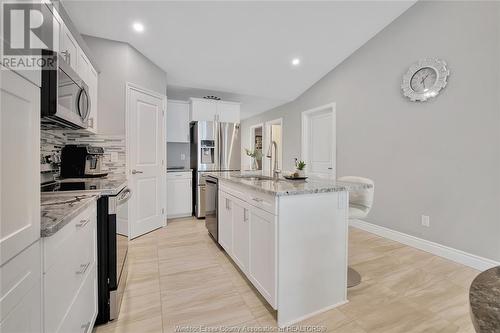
353 277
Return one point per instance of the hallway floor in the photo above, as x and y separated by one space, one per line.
179 277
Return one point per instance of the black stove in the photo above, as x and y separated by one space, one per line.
70 186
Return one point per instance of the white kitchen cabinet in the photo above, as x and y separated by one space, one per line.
210 110
66 307
69 47
177 121
21 292
179 194
262 264
225 221
93 84
83 66
203 109
20 164
241 232
228 112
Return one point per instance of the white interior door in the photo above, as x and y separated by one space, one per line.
318 141
146 142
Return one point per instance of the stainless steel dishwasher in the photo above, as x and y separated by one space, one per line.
211 204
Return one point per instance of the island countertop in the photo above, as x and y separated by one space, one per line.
101 186
58 210
283 187
484 297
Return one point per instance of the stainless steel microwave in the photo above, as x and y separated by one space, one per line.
64 99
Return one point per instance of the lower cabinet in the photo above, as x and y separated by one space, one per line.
70 275
261 268
225 221
241 230
248 234
21 292
179 194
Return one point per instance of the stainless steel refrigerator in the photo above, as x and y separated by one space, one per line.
215 147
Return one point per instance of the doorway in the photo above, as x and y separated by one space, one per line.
273 132
319 141
256 142
146 154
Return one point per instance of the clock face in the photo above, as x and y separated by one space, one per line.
423 80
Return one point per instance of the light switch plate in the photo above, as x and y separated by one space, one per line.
183 157
114 156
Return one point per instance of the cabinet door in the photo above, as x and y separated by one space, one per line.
21 291
69 48
83 67
20 164
177 121
262 267
203 110
228 112
240 217
225 222
179 197
93 83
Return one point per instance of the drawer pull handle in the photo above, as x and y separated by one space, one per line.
82 223
86 326
83 269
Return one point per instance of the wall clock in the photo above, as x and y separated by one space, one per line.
424 79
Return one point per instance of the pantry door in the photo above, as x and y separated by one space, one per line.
146 155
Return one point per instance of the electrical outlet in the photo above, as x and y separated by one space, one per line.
426 222
183 157
114 156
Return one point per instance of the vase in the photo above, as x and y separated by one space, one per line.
300 173
255 164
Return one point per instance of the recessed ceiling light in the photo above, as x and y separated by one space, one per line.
295 61
139 27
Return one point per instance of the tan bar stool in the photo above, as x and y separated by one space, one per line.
360 203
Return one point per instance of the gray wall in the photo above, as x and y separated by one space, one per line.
174 152
440 158
120 63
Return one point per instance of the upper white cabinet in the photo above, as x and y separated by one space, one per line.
93 83
69 47
203 109
20 150
228 112
210 110
177 121
73 54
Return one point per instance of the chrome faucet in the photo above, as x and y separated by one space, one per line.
275 171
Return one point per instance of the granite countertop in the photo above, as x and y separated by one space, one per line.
484 297
283 187
101 186
58 210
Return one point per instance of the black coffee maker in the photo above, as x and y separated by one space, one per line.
82 161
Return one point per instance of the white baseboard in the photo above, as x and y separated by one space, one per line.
458 256
315 313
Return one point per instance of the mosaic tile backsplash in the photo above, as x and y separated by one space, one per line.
52 141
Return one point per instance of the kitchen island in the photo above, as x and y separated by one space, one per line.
289 238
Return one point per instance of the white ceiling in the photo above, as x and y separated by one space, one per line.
242 48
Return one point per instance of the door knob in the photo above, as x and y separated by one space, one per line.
134 171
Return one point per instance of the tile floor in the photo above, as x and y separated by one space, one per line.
178 276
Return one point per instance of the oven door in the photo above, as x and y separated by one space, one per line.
118 261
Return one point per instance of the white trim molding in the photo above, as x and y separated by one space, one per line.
459 256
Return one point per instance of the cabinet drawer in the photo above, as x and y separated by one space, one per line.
179 175
65 277
57 246
82 313
18 276
257 199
